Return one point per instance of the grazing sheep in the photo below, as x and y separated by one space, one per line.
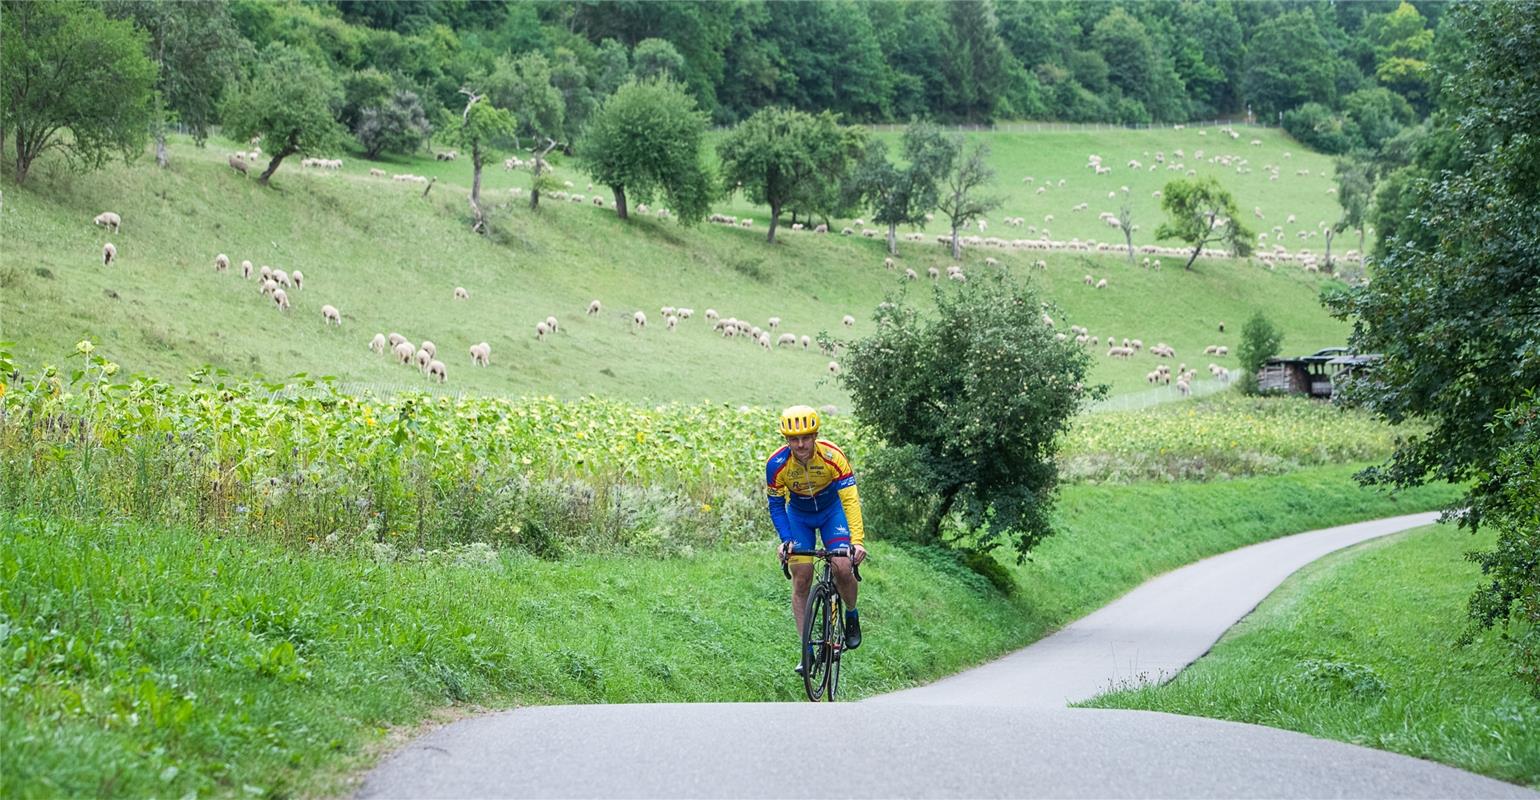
639 319
933 273
670 322
541 329
686 313
667 311
377 344
775 322
1221 326
109 252
298 278
246 269
430 347
834 368
1210 350
108 219
1090 281
281 299
806 342
550 322
376 172
848 321
910 274
481 354
221 262
395 339
1221 351
785 339
436 370
888 262
1101 284
593 308
711 314
461 294
422 359
329 314
1184 387
1137 344
268 286
282 278
404 351
238 165
266 273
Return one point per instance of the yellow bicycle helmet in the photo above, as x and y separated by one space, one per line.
799 421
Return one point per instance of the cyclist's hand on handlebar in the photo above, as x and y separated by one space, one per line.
784 550
857 554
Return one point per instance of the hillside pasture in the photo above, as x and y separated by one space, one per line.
390 260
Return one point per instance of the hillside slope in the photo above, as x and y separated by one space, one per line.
390 261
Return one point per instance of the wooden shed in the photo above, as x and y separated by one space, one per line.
1317 375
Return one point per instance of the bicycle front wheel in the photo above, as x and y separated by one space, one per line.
816 643
836 644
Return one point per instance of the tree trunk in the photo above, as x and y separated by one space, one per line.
1194 256
1128 236
161 159
956 243
1329 235
892 238
938 514
480 224
22 161
775 220
620 202
272 166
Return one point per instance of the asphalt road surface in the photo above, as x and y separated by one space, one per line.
1001 730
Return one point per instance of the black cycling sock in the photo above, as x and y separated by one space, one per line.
850 613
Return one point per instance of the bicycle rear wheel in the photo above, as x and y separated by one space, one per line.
816 650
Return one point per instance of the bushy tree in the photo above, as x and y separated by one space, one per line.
903 195
64 66
1288 62
1260 340
645 140
1316 127
1200 212
779 155
962 198
656 58
1454 308
1355 194
396 125
524 86
290 102
969 402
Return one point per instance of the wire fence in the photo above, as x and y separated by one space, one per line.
1076 127
1157 396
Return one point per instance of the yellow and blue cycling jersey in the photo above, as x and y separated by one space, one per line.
817 496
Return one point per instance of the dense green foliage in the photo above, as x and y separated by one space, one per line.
394 124
902 194
71 80
963 197
1454 307
789 159
1364 646
969 404
645 142
1202 213
163 660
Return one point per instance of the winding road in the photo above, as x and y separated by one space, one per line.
1001 730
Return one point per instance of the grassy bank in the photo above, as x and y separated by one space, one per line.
1360 647
144 660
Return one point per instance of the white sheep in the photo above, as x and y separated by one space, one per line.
481 354
282 278
806 342
686 313
436 370
281 299
298 278
431 348
593 307
266 273
404 351
109 252
848 321
395 339
1101 284
639 319
785 339
834 368
933 273
377 344
461 294
670 322
109 220
541 329
376 172
422 359
910 274
246 269
268 286
550 322
329 314
888 262
711 314
667 311
221 262
1089 281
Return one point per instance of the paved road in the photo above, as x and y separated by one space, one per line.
999 731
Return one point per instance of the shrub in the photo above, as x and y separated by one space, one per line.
975 399
1317 128
1260 340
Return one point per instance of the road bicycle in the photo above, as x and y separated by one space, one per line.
823 631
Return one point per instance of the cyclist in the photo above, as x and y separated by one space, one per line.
811 488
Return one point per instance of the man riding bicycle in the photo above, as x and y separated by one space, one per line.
811 488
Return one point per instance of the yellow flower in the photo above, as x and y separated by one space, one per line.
640 437
705 507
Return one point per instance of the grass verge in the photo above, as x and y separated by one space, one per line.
144 660
1360 647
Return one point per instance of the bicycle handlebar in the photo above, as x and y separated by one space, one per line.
843 552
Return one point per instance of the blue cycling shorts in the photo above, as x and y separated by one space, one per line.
829 523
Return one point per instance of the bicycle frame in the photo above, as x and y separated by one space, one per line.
823 629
